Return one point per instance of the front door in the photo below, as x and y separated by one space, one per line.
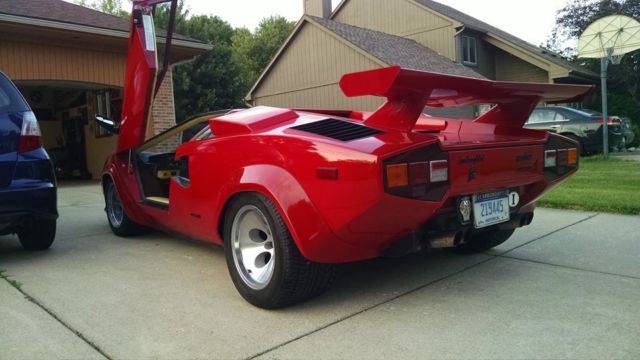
142 68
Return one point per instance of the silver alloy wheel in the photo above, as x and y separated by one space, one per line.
253 247
115 212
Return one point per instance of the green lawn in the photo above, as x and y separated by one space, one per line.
609 186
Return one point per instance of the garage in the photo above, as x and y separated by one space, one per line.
69 63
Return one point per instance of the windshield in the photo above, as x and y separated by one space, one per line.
10 98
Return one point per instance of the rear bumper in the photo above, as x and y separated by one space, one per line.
630 136
593 143
24 200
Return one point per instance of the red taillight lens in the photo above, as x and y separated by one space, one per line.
421 174
561 157
418 173
611 121
30 138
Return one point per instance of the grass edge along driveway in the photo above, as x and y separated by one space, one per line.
599 185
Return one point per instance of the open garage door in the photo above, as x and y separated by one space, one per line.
77 147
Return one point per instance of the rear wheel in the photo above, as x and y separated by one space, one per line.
623 143
483 241
119 222
264 262
38 235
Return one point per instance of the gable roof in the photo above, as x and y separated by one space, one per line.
396 50
480 26
385 49
59 11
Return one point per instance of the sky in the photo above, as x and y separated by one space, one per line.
526 19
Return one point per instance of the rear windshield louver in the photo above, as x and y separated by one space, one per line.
338 129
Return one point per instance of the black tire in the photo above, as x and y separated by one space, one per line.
119 222
483 241
623 144
38 235
293 278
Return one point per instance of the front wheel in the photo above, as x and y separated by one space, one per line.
38 235
264 262
119 222
483 241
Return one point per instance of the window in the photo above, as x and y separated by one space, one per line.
560 117
10 99
542 115
109 105
469 50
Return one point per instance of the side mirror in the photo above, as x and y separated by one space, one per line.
108 124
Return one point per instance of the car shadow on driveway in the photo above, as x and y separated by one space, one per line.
164 296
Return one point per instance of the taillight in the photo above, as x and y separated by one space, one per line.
439 171
397 175
550 158
419 174
560 157
611 121
30 136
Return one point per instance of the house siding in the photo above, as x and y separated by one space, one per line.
425 27
511 68
485 56
29 61
308 71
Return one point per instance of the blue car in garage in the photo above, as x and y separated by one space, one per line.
28 194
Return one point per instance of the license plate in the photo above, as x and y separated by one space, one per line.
490 208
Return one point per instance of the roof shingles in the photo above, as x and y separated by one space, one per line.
480 26
395 50
66 12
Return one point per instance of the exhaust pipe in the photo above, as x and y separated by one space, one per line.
529 219
447 239
518 222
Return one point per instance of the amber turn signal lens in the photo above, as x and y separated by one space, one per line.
397 175
572 156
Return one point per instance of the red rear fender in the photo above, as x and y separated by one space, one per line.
311 234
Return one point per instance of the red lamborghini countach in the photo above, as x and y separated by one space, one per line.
291 193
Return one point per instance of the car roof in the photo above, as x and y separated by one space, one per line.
583 112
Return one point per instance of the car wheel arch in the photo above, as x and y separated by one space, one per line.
573 136
292 202
106 178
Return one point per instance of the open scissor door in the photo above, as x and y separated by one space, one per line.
142 80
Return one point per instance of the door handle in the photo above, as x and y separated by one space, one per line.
555 126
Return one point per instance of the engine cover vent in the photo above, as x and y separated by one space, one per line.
338 129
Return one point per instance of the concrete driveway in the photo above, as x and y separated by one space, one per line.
568 286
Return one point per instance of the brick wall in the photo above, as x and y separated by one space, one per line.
163 116
163 113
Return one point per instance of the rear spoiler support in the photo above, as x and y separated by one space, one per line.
409 91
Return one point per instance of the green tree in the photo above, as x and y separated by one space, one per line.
210 82
221 77
624 79
253 52
113 7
